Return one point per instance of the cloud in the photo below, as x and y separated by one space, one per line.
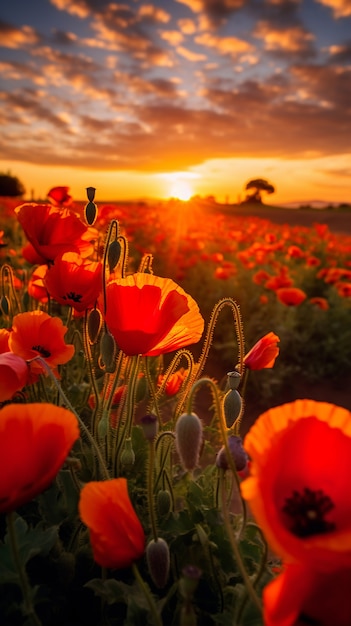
340 8
189 55
13 37
216 10
295 39
224 45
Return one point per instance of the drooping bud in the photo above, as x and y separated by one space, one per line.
232 404
163 502
189 581
108 351
237 451
5 305
158 561
94 325
113 254
149 425
188 439
128 455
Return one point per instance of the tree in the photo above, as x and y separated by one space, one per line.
10 185
258 185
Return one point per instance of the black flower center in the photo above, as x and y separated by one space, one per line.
71 295
44 353
306 512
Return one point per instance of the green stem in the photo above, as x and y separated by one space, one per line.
150 490
233 542
157 621
22 574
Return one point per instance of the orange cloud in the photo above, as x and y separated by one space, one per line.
293 39
340 8
190 55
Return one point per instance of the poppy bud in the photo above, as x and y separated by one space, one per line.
189 581
108 351
113 254
232 406
5 305
188 438
90 213
149 425
128 455
91 193
158 561
163 502
237 452
94 325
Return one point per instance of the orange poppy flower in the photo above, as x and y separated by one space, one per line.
13 375
300 595
36 333
35 440
150 315
59 196
116 534
299 484
74 281
174 382
291 296
263 354
52 231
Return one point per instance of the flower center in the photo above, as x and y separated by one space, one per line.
306 512
71 295
44 353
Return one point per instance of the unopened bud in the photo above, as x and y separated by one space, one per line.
94 325
158 561
238 454
90 213
91 193
149 425
188 438
232 406
128 455
108 351
189 581
163 502
5 305
113 254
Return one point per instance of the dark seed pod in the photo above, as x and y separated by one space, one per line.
5 305
233 379
238 453
91 193
232 406
163 502
188 439
158 561
90 213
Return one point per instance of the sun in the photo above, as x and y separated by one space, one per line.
181 189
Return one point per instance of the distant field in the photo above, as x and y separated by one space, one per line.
339 221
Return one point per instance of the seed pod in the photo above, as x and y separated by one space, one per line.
158 561
5 305
128 455
91 193
163 502
232 406
238 454
233 379
188 439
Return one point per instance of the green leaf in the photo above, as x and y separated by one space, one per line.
110 590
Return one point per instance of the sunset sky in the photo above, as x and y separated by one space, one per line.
177 97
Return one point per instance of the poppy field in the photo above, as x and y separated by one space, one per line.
175 433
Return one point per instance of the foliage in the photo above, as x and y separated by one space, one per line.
10 186
258 185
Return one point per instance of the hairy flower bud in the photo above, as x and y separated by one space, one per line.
239 455
90 213
232 406
91 193
108 351
158 561
94 325
113 254
163 502
188 438
149 425
128 455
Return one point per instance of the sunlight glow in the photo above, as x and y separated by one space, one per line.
181 189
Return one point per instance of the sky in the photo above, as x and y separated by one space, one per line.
173 98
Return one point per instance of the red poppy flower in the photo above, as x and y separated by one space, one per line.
300 595
174 382
291 296
74 281
52 231
116 534
36 333
263 354
30 254
36 286
59 196
13 375
320 303
299 484
4 340
150 315
35 440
